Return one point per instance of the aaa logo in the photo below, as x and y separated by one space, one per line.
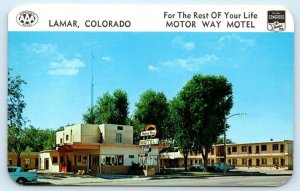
27 18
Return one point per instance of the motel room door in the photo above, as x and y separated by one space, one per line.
282 162
46 163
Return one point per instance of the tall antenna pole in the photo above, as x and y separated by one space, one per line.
92 83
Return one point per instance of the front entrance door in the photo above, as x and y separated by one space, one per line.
250 162
282 162
46 163
257 162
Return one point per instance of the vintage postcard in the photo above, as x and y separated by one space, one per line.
150 95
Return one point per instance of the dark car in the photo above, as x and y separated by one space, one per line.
219 167
228 167
197 167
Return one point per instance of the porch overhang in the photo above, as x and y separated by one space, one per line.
79 146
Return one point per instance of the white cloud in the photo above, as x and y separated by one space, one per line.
65 67
186 45
191 63
153 68
106 59
64 71
42 49
64 63
58 64
234 38
189 46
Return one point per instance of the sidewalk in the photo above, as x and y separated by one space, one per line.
267 171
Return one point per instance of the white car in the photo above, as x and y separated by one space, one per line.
21 177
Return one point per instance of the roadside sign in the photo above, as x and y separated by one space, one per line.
148 133
149 142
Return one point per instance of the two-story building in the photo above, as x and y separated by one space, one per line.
105 148
276 154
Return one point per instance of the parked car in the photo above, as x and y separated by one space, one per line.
221 166
197 167
21 177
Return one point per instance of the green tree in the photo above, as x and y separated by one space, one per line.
181 127
38 139
220 140
33 139
109 109
205 102
121 104
16 118
152 108
89 117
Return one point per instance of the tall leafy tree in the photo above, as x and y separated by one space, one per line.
104 110
121 104
180 127
109 109
220 140
90 116
38 139
206 101
152 108
16 118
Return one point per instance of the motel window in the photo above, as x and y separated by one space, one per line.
244 161
131 156
244 148
67 137
275 161
234 149
234 161
275 147
118 138
114 160
120 160
94 160
263 147
79 158
54 160
120 127
263 161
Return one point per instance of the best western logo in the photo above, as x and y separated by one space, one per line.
27 18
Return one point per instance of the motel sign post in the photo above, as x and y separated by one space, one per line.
148 140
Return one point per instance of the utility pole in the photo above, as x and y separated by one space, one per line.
92 83
244 114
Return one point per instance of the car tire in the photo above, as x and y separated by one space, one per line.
21 180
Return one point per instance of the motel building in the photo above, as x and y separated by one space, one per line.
273 154
109 149
104 149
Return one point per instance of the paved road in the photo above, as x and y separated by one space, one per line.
169 181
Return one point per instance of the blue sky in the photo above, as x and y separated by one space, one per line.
57 68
